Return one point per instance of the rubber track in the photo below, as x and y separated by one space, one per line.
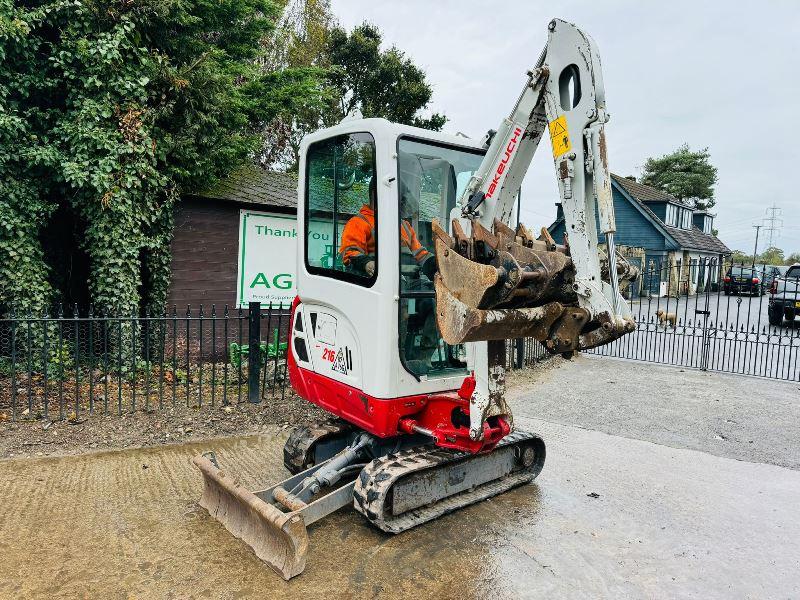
299 445
376 480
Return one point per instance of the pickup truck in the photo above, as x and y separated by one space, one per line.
784 299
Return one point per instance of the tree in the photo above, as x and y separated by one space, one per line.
685 174
115 108
793 258
25 159
301 36
738 257
379 83
772 256
299 42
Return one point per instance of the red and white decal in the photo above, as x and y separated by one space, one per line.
499 172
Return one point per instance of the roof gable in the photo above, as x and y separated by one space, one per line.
648 214
694 238
645 193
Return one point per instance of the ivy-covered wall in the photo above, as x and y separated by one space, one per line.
109 110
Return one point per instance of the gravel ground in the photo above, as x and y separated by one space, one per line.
609 517
171 425
733 416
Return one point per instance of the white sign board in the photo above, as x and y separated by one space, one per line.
267 259
268 247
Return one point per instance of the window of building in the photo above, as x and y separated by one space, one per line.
671 218
708 224
686 218
341 209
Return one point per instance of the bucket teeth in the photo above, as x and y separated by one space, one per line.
440 234
278 538
502 230
467 280
459 322
504 284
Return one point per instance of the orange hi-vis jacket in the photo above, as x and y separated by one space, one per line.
358 237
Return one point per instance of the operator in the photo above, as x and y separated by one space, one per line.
358 237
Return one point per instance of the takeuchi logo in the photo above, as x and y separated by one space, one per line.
501 167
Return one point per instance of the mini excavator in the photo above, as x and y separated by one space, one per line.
410 361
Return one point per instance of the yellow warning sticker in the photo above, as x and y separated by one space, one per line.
559 136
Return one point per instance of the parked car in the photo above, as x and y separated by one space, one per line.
784 299
740 279
770 273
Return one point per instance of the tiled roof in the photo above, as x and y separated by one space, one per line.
645 193
693 238
697 240
350 200
254 185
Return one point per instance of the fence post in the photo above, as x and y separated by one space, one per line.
253 352
520 362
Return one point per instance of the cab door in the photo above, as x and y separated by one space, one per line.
339 262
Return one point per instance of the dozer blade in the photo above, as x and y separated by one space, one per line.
278 538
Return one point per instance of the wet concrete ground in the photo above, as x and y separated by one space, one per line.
667 522
747 418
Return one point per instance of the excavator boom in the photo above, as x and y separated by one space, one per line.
495 283
564 97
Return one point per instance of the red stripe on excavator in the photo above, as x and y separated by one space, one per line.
388 417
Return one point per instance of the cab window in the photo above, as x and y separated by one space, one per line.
341 237
431 178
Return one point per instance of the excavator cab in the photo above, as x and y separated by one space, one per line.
375 192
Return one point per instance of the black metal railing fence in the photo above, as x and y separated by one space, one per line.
69 364
710 315
64 365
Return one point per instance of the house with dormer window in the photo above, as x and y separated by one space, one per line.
681 254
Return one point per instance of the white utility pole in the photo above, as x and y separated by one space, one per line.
755 249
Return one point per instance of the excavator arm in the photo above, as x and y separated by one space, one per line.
495 283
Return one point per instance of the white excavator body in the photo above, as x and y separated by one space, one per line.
362 315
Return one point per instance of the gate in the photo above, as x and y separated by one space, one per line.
707 323
635 286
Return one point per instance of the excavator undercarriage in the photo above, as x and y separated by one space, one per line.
396 484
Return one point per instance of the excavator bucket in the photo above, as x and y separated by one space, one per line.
459 322
503 284
278 538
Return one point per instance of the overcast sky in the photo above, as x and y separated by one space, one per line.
718 74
